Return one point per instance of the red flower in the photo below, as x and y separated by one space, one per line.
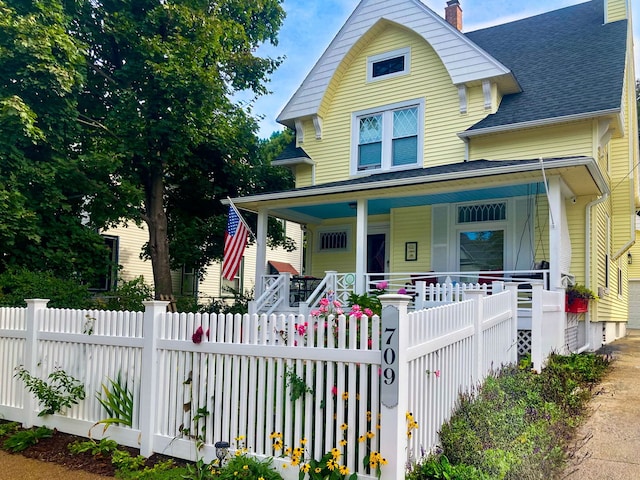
197 336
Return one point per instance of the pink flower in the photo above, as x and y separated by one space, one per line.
368 312
315 313
337 304
197 336
437 373
334 391
402 291
382 285
369 342
324 301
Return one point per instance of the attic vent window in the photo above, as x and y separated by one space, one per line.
388 65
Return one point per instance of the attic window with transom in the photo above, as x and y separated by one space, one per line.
388 138
388 64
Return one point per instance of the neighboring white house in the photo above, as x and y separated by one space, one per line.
126 244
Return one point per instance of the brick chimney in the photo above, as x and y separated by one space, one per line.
453 14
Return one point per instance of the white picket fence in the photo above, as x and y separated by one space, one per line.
359 376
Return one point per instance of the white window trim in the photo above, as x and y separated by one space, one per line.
387 132
401 52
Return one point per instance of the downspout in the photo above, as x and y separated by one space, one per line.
587 266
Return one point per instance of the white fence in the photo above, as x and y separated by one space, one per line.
357 377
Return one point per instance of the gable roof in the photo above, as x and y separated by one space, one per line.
565 61
465 61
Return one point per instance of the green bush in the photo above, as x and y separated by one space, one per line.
240 303
514 426
18 285
438 467
24 439
128 296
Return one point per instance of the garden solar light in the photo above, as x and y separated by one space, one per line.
222 449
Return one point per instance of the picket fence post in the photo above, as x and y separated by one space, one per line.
512 287
153 311
394 401
34 306
478 314
538 356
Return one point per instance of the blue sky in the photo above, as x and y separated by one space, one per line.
310 26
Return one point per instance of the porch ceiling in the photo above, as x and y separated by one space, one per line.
454 183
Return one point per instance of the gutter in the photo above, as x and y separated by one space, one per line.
403 182
587 266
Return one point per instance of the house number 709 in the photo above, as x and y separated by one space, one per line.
389 355
389 361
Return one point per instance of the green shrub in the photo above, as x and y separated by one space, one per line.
18 285
24 439
128 296
117 400
104 447
438 467
60 392
240 303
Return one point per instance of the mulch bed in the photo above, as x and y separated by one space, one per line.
55 449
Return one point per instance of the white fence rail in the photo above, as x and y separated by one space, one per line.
225 377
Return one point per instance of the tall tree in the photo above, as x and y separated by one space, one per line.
43 179
160 81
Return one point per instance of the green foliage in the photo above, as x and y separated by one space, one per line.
239 304
128 296
62 390
24 439
365 300
125 463
580 291
8 428
104 447
16 285
165 470
514 426
246 467
438 467
297 386
117 400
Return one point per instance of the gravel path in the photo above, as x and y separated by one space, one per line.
17 467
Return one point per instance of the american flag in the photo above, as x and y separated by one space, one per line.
235 240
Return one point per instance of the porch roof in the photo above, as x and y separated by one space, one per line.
463 181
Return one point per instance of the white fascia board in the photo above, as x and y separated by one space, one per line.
499 170
539 123
454 49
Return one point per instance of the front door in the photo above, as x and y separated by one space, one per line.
376 255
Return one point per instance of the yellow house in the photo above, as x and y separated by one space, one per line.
426 152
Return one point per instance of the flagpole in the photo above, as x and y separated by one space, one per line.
231 204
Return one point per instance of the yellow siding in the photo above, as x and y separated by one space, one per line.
351 92
553 141
575 220
411 225
615 10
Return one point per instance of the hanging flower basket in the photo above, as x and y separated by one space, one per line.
576 305
577 299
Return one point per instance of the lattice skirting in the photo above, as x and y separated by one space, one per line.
571 332
524 343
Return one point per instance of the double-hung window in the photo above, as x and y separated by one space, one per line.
388 138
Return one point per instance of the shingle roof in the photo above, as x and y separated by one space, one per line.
291 151
567 61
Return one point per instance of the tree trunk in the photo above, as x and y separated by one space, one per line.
158 239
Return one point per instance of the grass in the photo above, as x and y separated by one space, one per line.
517 424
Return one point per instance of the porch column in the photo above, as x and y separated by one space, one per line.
261 250
361 246
555 231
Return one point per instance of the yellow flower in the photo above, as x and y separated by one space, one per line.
235 473
335 453
383 461
345 395
240 438
331 464
373 464
287 451
344 470
370 434
303 441
344 426
362 438
295 462
318 470
305 467
277 445
238 453
378 426
368 415
276 435
260 478
245 467
343 443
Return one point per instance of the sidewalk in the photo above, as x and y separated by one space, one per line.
17 467
609 440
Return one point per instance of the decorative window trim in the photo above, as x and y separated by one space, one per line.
496 207
337 230
387 134
401 52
